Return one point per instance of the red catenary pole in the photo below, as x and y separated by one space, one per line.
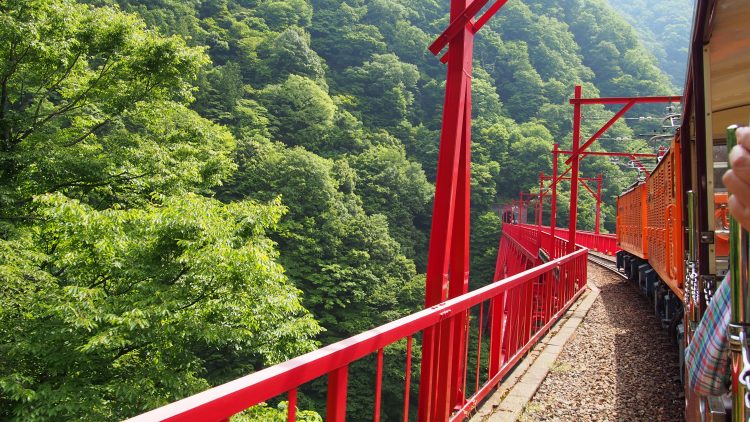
541 187
598 202
553 211
574 175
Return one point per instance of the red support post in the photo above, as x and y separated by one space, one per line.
539 205
291 410
598 203
553 211
459 261
338 381
574 176
407 387
448 256
378 385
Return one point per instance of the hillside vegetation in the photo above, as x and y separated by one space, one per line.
664 29
191 190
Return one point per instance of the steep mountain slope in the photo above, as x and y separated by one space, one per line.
316 125
664 29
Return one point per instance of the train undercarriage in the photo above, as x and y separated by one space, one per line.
667 306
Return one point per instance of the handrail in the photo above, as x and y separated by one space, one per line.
599 242
221 402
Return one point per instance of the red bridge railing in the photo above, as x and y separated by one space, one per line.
603 243
501 322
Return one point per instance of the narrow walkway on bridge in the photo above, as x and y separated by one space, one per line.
618 365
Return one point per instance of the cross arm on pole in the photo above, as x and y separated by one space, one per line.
462 20
615 154
604 128
640 165
588 188
488 14
590 179
456 26
625 100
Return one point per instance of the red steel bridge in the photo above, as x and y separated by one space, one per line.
469 340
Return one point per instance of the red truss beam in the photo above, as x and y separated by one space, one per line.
442 388
633 156
597 195
614 154
625 100
579 151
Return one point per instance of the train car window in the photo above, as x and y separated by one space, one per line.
720 164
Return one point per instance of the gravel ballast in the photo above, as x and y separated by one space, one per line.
619 366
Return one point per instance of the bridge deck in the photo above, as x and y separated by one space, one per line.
619 365
477 337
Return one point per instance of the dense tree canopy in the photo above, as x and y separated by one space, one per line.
664 29
191 190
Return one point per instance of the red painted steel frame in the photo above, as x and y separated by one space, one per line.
579 150
513 332
597 195
448 256
632 156
598 242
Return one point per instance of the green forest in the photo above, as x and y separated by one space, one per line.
192 190
664 29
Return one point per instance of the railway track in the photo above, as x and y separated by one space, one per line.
619 366
606 263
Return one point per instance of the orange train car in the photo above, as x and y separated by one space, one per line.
631 219
673 229
663 231
649 231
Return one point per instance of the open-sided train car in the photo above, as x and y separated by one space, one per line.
681 254
649 234
631 218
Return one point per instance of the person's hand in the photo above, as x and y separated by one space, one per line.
737 180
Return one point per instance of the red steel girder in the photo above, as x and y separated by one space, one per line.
599 133
624 100
614 154
442 388
579 150
633 156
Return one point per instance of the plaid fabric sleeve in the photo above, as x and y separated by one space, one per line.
707 355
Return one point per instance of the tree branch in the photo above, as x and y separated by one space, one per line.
72 104
88 133
124 351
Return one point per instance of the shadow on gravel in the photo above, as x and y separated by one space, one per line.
647 370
